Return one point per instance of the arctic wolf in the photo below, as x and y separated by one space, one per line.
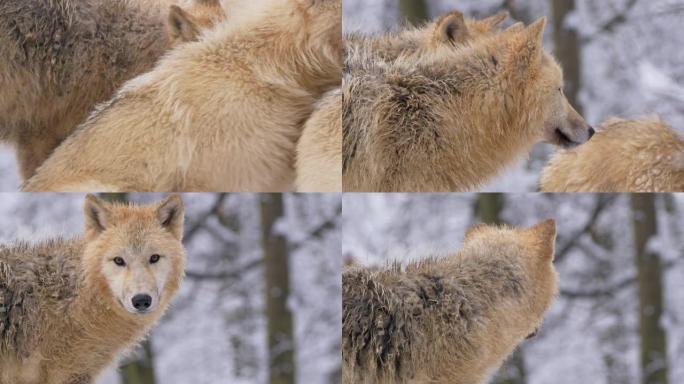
59 58
450 320
220 114
319 150
70 307
451 120
643 155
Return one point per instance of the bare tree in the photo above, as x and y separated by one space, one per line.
568 49
281 347
650 284
414 11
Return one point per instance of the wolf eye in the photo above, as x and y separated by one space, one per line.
119 261
154 258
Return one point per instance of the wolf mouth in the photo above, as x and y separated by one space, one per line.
564 140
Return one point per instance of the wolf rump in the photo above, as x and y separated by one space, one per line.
451 120
69 307
452 320
59 58
319 152
221 114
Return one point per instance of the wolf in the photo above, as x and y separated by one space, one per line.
220 114
645 155
448 320
70 307
50 49
451 120
319 152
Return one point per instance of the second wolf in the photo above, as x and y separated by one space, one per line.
451 320
70 307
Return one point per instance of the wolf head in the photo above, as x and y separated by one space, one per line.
134 254
534 71
518 264
185 25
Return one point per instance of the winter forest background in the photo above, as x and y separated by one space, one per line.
620 258
221 328
620 57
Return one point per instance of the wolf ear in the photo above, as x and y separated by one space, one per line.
181 25
495 21
170 215
474 229
515 28
545 235
450 28
97 216
526 50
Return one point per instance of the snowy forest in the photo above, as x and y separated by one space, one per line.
619 317
621 58
222 327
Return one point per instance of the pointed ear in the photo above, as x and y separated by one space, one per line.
181 25
451 29
545 235
526 50
493 22
170 215
97 216
474 229
515 28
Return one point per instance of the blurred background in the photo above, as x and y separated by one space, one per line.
620 57
619 318
221 327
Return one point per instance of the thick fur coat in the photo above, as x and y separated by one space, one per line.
449 320
62 319
451 120
220 114
644 155
59 58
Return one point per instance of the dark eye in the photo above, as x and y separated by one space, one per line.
560 90
119 261
154 258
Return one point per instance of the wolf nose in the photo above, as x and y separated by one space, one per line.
142 302
591 132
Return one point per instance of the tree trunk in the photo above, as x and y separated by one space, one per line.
568 50
489 207
414 11
650 283
281 347
141 369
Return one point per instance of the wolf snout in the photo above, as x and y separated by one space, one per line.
592 132
142 302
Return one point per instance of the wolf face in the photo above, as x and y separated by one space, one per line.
543 78
135 252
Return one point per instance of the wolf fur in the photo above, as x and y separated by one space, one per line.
319 150
645 155
451 120
58 58
221 114
62 312
448 320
